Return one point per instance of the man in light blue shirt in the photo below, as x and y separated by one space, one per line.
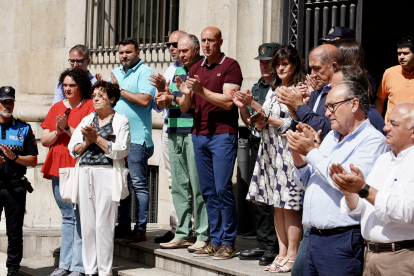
78 57
135 102
335 244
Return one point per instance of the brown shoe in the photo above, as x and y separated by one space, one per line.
177 243
208 250
135 236
225 252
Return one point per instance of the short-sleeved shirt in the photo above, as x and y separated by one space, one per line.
94 155
398 85
209 118
58 155
259 92
19 138
60 95
136 81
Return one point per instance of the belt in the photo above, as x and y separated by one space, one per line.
393 246
334 231
11 184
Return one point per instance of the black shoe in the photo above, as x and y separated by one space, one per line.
250 235
164 239
121 231
252 254
268 257
12 271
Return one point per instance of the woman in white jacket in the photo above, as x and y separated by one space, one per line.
100 143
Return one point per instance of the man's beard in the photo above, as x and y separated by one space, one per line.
5 114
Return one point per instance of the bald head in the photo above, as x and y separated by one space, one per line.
211 42
176 35
172 43
216 33
327 54
406 113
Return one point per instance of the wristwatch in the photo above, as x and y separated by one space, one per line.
364 192
67 128
173 101
15 158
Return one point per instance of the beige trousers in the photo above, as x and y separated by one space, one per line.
389 263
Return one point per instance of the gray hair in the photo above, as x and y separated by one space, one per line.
409 111
356 90
193 40
80 48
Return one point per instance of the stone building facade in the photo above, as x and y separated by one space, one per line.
36 35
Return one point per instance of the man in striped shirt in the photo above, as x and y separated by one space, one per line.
185 186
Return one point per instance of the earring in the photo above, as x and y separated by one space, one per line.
110 104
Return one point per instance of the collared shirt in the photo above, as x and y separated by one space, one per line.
392 217
209 118
19 138
398 86
60 95
168 75
136 81
321 204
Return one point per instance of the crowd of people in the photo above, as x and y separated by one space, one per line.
329 176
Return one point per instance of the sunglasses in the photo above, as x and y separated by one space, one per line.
78 61
174 44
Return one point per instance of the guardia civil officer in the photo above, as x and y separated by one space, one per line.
17 151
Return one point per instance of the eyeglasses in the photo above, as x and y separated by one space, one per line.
78 61
174 44
331 107
98 95
67 111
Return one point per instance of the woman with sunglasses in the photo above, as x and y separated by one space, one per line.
58 127
100 143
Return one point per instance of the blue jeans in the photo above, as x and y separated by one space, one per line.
297 268
137 164
215 156
71 243
339 255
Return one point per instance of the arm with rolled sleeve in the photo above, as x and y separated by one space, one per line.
362 157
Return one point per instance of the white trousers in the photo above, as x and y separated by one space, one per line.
98 215
166 155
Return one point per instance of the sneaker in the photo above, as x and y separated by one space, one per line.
166 238
12 271
57 250
122 231
250 235
176 243
208 250
135 236
225 252
60 272
198 245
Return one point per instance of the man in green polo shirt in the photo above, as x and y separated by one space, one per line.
185 186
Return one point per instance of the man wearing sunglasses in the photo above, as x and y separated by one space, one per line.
335 245
159 81
78 57
398 81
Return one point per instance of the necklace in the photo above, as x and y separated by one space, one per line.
104 119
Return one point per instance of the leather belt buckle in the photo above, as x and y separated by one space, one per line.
377 248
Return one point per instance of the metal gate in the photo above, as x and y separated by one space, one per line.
304 22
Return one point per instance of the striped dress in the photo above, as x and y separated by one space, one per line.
272 181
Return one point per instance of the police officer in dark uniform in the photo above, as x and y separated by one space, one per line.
18 150
267 245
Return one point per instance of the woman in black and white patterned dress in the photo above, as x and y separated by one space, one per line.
272 181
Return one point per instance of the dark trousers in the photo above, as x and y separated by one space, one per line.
263 214
340 254
215 156
14 202
297 268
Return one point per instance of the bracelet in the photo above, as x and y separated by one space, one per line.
15 158
99 140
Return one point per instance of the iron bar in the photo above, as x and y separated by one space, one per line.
139 22
359 21
102 6
91 28
170 25
352 11
163 24
132 18
343 15
109 27
307 35
325 21
300 26
114 28
150 32
97 28
144 38
126 19
334 14
120 20
157 38
316 27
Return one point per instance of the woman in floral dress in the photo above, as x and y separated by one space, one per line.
272 181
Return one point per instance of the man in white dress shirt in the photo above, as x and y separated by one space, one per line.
385 201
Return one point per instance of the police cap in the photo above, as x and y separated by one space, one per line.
337 32
7 93
266 51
